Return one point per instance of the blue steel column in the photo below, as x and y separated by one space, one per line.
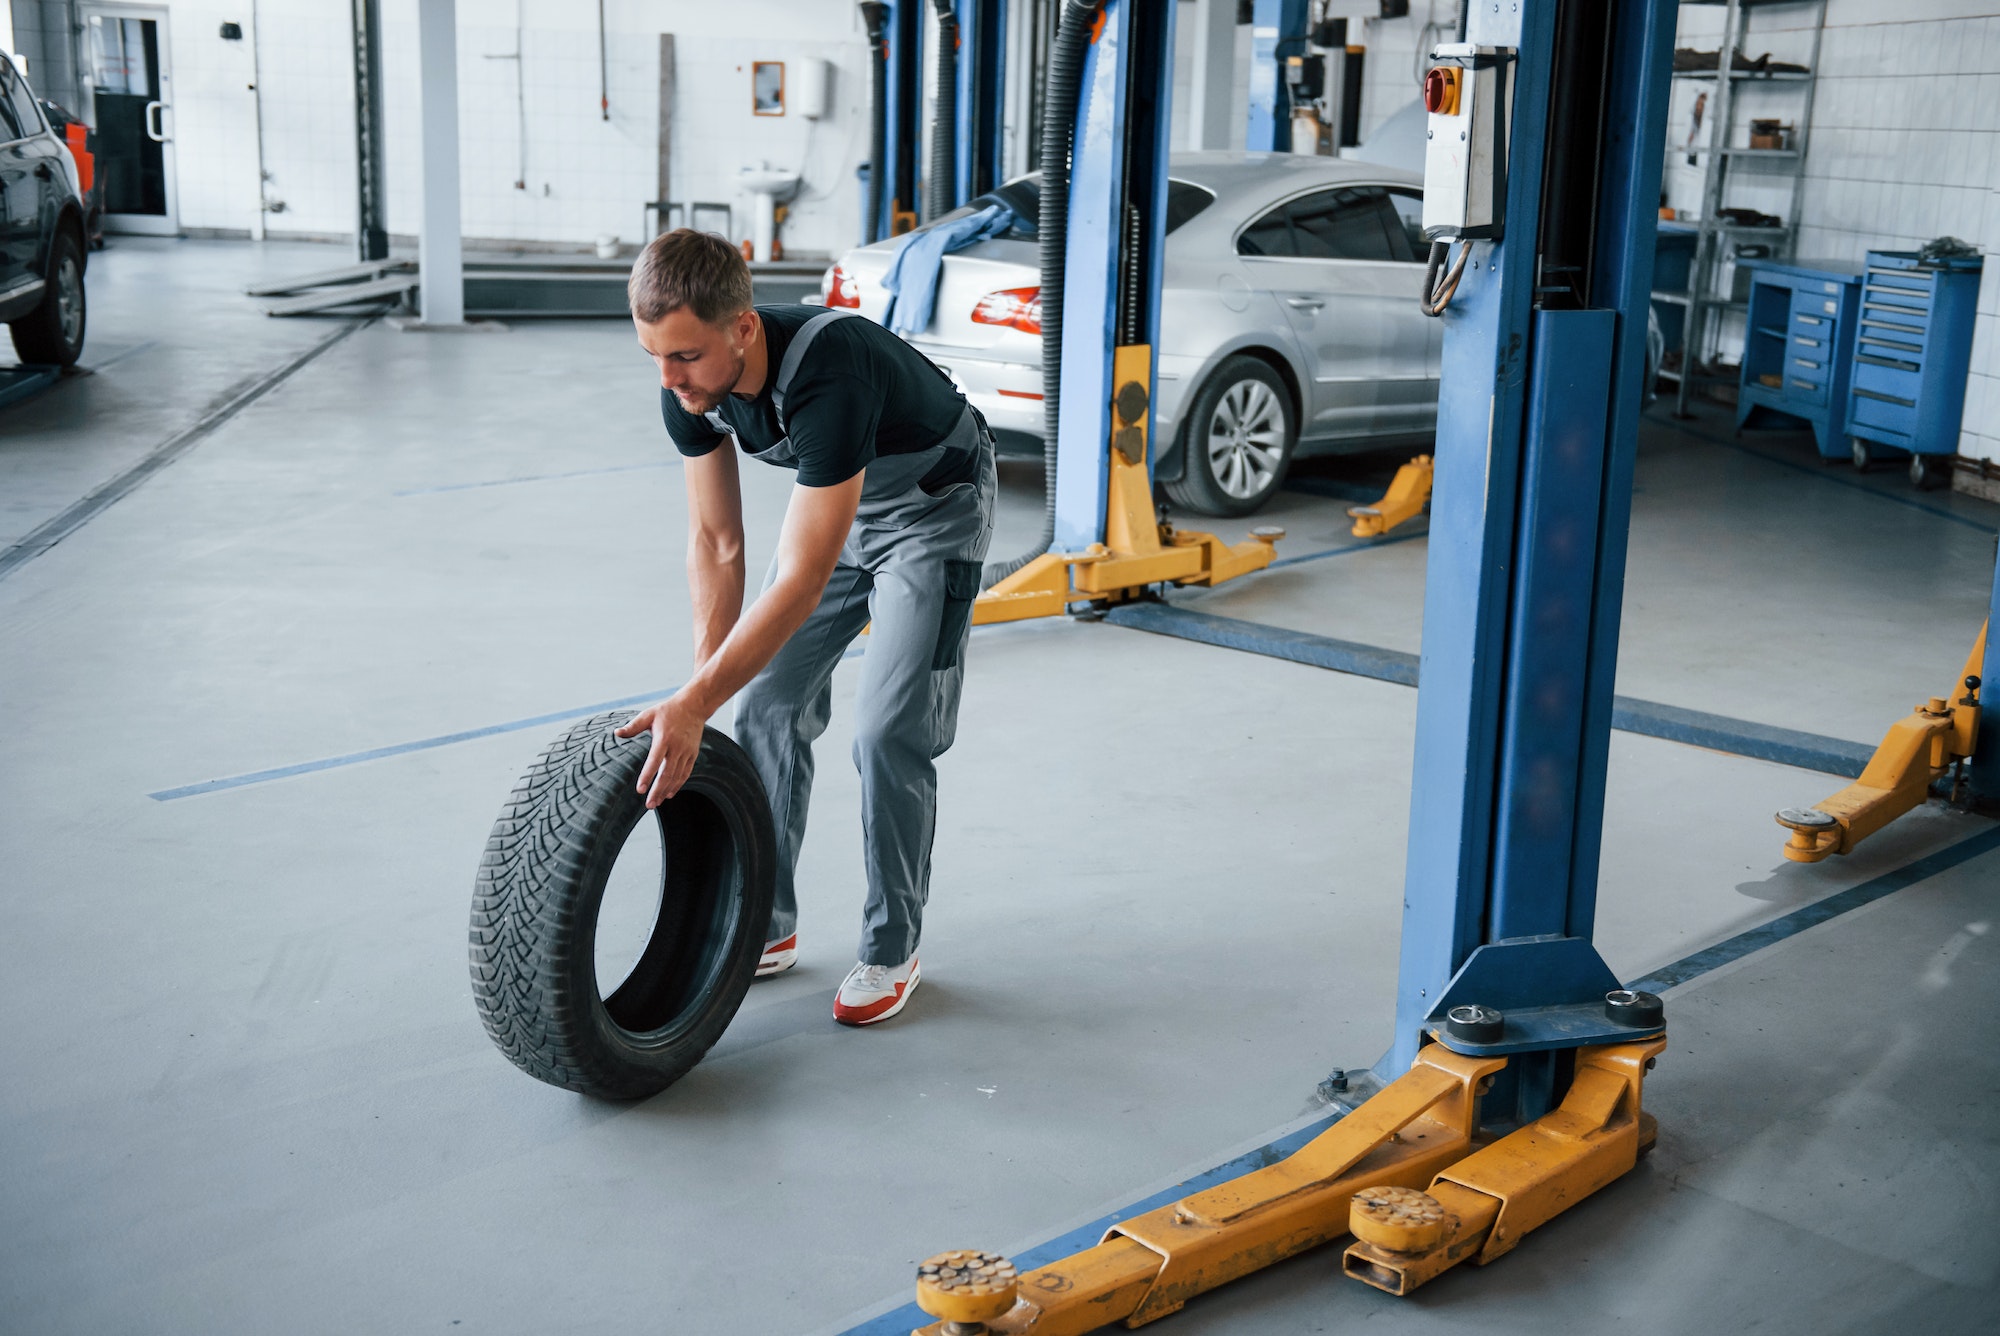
904 141
1522 590
1277 30
1642 42
982 94
1124 109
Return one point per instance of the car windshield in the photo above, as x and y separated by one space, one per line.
1024 195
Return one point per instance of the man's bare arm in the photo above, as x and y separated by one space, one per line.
715 548
816 525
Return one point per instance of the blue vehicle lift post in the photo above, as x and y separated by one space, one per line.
1508 1023
982 95
900 24
1277 30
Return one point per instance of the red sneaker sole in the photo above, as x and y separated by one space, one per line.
882 1009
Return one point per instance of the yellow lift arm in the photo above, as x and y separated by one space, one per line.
1914 755
1409 492
1367 1173
1139 548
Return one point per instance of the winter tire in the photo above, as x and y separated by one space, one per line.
541 884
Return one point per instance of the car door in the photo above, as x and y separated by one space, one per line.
20 194
1339 266
1408 202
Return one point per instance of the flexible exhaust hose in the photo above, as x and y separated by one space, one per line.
875 17
1059 105
944 129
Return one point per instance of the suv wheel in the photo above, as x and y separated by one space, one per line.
52 333
1240 437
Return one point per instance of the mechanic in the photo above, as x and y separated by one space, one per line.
887 524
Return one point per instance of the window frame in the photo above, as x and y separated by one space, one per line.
1287 202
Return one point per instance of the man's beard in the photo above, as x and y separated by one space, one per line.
704 402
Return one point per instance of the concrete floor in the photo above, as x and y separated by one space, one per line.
248 1091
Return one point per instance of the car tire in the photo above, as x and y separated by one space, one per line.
52 333
541 884
1237 440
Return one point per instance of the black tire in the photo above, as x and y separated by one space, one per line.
542 879
1928 472
52 333
1211 433
1862 453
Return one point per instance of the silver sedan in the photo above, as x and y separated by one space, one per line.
1289 323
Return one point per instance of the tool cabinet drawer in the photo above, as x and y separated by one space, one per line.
1823 305
1872 376
1881 413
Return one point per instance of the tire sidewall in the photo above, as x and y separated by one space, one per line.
541 886
670 1053
1204 491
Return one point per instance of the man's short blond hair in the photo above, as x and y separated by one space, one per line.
685 269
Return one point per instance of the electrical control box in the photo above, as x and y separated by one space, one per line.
1465 144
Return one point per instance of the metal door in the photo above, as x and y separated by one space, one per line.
1338 265
126 68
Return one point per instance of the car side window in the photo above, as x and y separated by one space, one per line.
1345 224
1269 235
1409 207
10 119
25 111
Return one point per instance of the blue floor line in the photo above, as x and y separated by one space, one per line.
1824 474
1344 549
1672 723
1710 958
421 744
536 477
901 1321
398 749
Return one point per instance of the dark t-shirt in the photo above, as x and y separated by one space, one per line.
859 392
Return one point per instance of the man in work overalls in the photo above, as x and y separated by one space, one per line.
888 524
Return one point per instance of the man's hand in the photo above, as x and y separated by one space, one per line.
676 729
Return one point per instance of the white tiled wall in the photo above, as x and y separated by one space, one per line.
586 176
1393 66
1903 146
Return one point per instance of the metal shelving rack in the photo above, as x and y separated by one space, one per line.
1704 303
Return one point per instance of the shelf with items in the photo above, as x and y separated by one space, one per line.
1776 150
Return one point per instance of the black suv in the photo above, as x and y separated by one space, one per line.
42 246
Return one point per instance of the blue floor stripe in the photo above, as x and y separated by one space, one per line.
1345 548
421 744
1825 473
1692 967
1739 737
1340 656
535 477
908 1317
399 748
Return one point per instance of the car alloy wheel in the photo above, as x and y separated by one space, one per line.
69 301
1246 439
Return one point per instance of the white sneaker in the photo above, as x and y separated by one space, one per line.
875 992
778 957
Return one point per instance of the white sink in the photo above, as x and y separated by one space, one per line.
767 180
767 183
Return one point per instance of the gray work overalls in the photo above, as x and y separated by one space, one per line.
911 566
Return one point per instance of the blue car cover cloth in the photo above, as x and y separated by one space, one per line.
912 280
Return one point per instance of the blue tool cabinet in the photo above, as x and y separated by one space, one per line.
1798 348
1911 352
